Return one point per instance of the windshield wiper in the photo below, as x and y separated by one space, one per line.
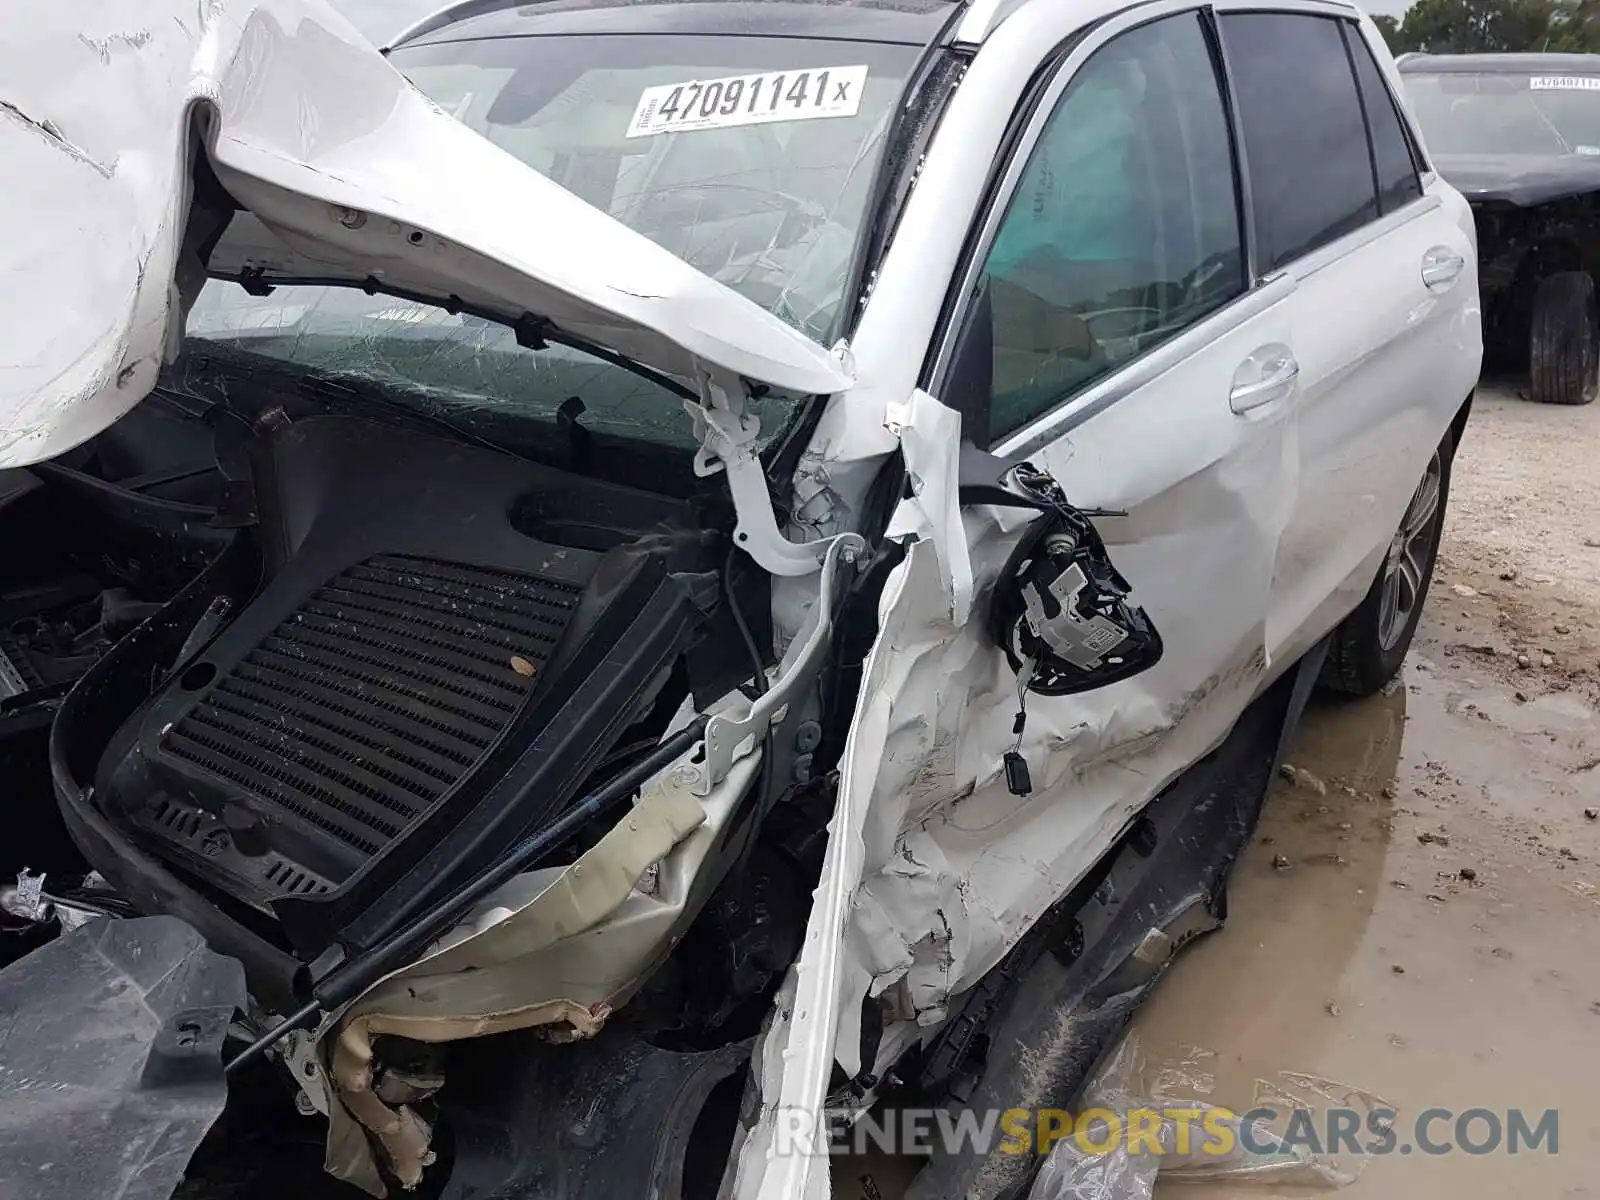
341 394
532 331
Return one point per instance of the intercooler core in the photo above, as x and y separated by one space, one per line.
362 708
406 624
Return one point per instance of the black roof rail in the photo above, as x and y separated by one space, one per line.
461 10
458 10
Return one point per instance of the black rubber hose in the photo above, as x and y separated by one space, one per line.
758 664
757 660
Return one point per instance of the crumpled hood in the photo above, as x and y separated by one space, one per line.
1520 179
347 173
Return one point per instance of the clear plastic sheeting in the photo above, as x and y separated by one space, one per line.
1199 1140
111 1060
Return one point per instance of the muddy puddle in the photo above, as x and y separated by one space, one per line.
1431 929
1419 917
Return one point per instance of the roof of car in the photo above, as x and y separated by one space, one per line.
1509 64
910 21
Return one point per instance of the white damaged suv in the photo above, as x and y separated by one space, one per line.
617 557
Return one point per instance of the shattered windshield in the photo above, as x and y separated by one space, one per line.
1496 114
751 158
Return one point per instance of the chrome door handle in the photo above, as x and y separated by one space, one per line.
1267 375
1441 267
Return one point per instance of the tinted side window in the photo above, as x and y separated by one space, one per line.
1391 152
1304 135
1124 228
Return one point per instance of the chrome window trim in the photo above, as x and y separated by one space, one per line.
1073 410
1317 8
1308 265
982 17
1076 409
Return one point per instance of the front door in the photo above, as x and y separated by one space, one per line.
1133 361
1121 346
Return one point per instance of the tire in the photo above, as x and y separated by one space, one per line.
1564 341
1371 643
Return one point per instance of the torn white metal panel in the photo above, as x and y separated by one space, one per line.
559 947
930 441
352 174
91 238
1206 499
795 1057
934 868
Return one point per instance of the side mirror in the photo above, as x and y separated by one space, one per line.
1060 610
1063 614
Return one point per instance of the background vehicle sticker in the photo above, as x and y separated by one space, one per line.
1564 83
749 100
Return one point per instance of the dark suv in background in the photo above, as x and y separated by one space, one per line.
1519 136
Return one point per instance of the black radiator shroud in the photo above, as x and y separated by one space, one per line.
421 678
356 715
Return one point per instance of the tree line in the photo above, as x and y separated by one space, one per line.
1471 26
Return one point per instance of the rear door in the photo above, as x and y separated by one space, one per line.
1384 313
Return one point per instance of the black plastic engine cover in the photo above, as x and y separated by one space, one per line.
408 627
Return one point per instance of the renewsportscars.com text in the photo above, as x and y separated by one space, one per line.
1375 1132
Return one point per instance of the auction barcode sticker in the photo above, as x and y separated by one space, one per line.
1565 83
760 99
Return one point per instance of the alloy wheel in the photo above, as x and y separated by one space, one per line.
1405 570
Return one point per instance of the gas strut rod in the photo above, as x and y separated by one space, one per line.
350 978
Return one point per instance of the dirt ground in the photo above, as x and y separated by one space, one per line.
1420 915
